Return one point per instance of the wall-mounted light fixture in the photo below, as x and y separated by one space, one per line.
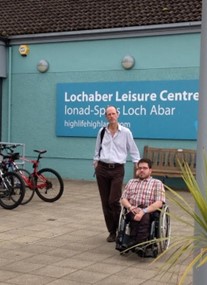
42 66
128 62
24 50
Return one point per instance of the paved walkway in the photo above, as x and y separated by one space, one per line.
64 243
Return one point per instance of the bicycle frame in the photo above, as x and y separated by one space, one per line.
8 163
30 182
35 174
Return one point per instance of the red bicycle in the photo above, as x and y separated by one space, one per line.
46 182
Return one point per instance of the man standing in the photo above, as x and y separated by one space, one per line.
142 195
111 152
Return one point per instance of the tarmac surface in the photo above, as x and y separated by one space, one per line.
64 243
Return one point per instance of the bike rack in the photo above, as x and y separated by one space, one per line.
20 149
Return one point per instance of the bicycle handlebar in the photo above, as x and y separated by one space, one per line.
9 147
16 156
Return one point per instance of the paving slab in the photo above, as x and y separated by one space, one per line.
65 243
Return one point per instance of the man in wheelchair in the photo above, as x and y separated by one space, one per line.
140 200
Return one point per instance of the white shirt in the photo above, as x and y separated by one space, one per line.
116 148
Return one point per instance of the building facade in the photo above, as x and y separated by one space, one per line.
61 108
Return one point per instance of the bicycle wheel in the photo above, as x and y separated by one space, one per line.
29 185
49 185
12 190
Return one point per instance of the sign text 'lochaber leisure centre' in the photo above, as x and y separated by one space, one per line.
151 109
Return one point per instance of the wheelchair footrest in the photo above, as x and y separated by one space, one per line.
149 251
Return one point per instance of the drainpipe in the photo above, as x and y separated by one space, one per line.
9 93
3 55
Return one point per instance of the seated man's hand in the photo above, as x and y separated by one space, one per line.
138 216
134 210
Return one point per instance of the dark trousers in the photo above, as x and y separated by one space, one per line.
140 230
110 181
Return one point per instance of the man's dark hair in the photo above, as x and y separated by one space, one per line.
145 160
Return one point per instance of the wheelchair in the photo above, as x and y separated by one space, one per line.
158 239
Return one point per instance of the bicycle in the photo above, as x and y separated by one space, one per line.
46 182
12 187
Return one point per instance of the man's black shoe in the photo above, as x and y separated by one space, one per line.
111 237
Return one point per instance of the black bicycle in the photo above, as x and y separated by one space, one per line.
12 187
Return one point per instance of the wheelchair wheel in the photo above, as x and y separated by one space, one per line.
121 230
164 228
121 220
